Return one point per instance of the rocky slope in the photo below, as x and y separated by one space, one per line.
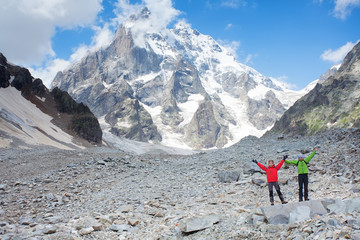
334 103
32 114
178 87
103 193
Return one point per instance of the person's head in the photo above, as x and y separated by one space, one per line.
271 163
300 157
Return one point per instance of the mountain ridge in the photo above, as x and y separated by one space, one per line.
333 103
177 76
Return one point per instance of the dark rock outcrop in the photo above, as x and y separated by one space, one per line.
204 130
262 112
132 121
83 122
70 116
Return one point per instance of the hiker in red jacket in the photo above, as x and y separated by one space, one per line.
272 179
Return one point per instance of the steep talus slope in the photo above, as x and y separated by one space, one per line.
29 111
334 103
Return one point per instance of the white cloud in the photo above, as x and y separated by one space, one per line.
337 55
101 38
228 26
161 15
226 3
159 19
29 26
234 3
283 82
343 8
248 59
49 71
232 47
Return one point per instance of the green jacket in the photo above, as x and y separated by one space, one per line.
302 165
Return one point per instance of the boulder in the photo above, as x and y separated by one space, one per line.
346 206
293 212
227 177
259 182
85 231
126 208
198 223
119 228
356 188
300 213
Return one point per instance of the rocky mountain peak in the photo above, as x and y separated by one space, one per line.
351 62
177 76
331 71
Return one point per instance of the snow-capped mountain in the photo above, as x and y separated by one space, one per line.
176 87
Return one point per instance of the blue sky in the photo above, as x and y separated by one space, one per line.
294 41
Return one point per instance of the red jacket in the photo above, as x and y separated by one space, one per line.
271 172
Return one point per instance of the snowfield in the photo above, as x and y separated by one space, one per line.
23 120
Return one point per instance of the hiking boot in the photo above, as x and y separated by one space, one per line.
306 199
300 200
284 202
272 203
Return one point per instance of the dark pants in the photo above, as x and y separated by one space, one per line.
277 188
303 184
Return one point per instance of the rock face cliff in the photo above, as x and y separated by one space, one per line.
334 103
17 85
177 87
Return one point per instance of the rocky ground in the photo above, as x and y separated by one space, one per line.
103 193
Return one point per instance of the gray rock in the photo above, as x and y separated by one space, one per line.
97 226
3 224
26 221
258 219
50 229
85 231
293 212
227 177
259 182
126 208
356 188
198 223
101 162
333 222
133 221
300 213
119 228
346 206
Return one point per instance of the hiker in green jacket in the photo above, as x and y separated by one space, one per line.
302 168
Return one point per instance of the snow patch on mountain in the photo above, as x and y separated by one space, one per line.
169 136
238 111
28 123
136 147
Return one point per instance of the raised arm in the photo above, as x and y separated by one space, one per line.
260 165
289 161
307 160
280 164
